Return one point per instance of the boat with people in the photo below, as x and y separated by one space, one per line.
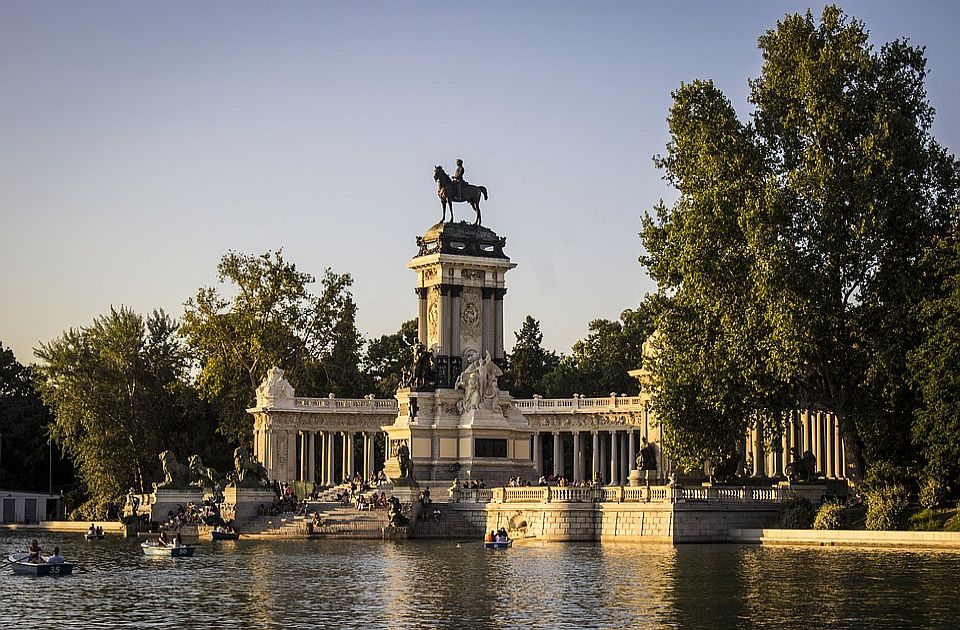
497 540
155 548
499 544
94 533
224 534
23 565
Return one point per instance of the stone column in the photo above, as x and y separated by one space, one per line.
830 469
624 460
313 457
632 448
498 323
778 457
596 456
291 456
807 424
838 448
487 343
604 458
537 453
444 319
557 452
576 457
422 315
614 464
455 321
304 456
331 450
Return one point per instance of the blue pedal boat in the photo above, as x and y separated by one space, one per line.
502 544
22 566
169 551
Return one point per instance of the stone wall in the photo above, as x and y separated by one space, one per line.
620 522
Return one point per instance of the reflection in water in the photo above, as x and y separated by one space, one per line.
413 584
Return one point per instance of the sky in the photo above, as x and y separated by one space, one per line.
140 141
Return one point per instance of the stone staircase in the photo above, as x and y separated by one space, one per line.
347 522
281 526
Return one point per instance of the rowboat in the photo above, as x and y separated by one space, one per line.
22 566
215 535
169 551
97 536
498 544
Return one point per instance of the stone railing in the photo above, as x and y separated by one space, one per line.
618 494
350 405
579 404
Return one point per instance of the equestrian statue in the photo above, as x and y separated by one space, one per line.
456 189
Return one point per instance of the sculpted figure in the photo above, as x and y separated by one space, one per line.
395 513
204 476
274 386
248 472
406 464
421 372
452 191
480 383
176 476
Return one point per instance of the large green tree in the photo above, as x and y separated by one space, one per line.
388 357
119 396
797 237
600 362
270 319
24 430
529 362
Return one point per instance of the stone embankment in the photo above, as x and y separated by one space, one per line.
846 538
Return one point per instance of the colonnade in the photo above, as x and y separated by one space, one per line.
607 455
322 457
815 431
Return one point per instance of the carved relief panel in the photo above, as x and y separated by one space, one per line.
433 318
471 318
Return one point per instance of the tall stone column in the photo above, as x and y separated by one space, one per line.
488 319
604 458
312 461
595 456
807 423
576 457
291 456
632 446
838 448
614 466
498 323
422 315
537 453
557 454
455 291
331 450
624 460
831 467
445 310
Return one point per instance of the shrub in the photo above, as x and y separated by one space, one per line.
928 520
829 516
887 507
795 513
933 492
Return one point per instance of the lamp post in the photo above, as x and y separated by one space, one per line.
50 458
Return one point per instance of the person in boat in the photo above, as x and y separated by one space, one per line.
56 558
99 531
92 530
34 552
489 537
178 540
162 539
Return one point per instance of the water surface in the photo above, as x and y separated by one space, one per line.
414 584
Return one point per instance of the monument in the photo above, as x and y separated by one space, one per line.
453 419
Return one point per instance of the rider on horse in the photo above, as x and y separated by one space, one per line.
458 178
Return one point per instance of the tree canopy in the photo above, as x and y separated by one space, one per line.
271 319
117 390
795 241
528 362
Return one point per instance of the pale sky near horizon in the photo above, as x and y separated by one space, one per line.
140 141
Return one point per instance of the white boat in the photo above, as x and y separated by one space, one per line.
151 548
22 566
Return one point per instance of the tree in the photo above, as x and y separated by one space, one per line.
529 362
24 430
118 392
272 320
933 366
812 217
388 357
601 362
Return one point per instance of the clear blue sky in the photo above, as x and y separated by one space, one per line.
139 141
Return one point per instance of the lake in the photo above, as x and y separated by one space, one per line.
427 584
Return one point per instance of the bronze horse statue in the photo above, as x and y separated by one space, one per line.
447 191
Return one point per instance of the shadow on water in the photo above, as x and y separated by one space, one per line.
421 584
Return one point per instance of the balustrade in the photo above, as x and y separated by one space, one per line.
617 494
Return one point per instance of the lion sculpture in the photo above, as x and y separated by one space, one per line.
248 472
204 476
176 476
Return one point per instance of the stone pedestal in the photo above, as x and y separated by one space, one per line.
164 500
635 477
244 503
